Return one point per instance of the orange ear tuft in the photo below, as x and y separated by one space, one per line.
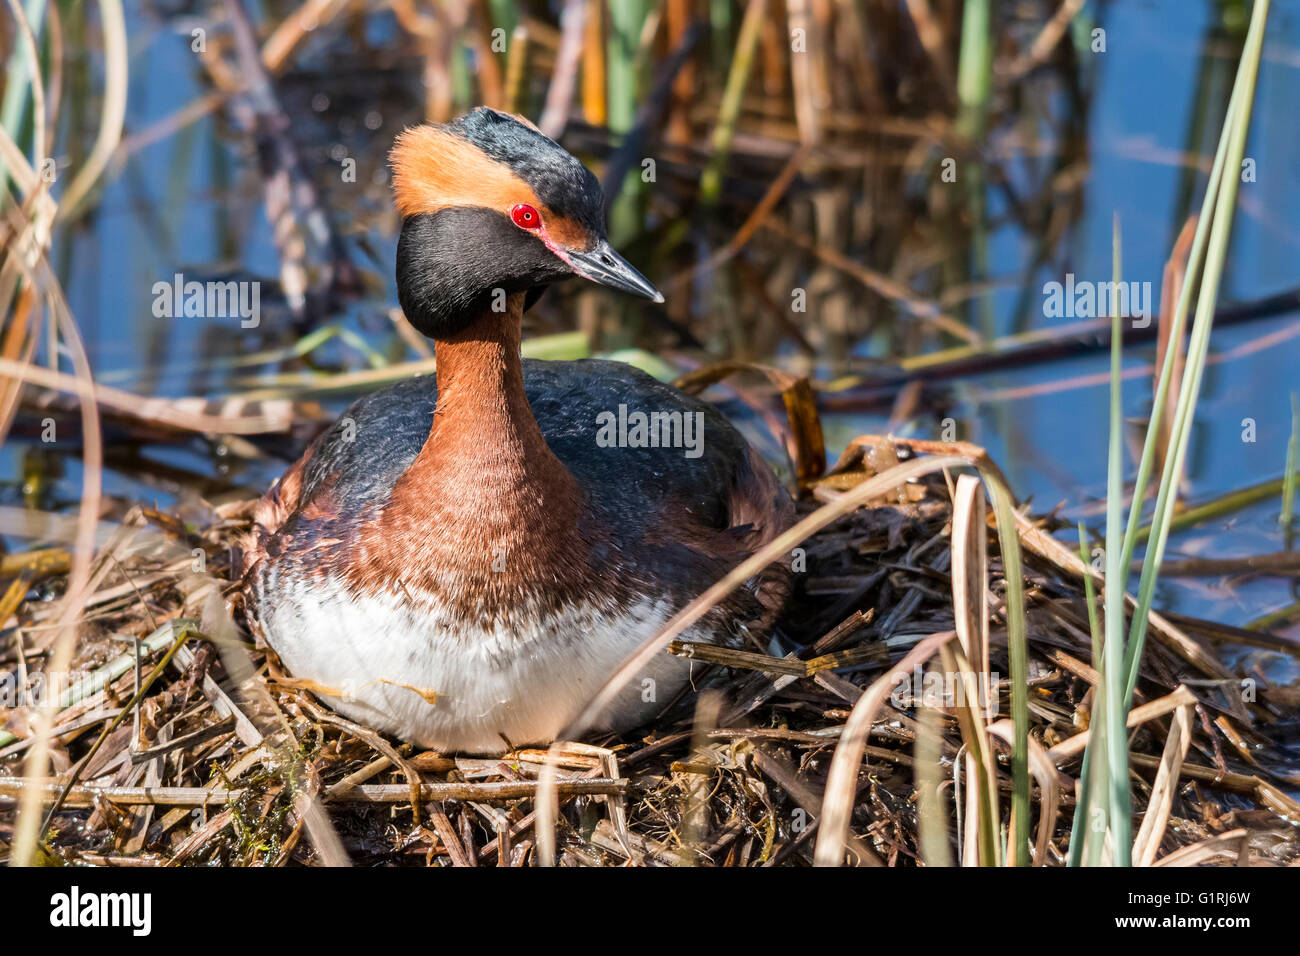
434 169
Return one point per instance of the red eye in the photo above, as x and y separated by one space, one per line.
526 217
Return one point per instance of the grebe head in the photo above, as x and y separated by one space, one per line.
488 203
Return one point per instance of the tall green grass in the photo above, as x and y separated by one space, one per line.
1105 768
625 87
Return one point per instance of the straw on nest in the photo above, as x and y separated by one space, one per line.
218 758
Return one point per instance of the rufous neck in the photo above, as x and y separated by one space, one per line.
482 414
485 467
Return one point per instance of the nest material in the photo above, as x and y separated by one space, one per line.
218 758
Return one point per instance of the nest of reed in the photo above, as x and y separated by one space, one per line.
207 754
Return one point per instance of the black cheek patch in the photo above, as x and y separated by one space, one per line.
450 264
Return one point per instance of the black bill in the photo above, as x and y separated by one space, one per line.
606 267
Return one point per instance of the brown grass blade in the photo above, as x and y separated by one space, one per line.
1152 830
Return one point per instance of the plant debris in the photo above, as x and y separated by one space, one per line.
223 762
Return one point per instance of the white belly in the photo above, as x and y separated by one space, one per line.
404 667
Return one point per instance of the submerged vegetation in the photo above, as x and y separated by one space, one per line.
817 188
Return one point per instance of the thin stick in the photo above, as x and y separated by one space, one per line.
85 796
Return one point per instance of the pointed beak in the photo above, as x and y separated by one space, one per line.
606 267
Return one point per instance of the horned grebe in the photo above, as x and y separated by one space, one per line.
460 562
